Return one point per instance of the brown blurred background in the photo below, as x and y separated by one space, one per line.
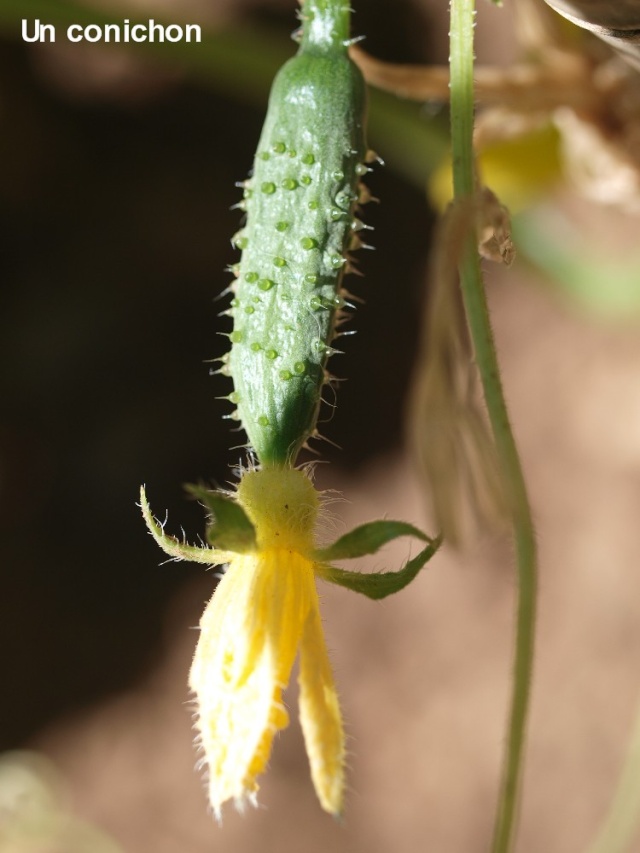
116 181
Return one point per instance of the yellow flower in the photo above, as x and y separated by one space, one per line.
264 609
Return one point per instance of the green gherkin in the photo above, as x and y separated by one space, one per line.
300 203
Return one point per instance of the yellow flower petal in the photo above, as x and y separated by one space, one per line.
320 715
249 637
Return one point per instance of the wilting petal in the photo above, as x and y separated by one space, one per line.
320 715
249 637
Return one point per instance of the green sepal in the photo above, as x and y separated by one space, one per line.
380 584
367 539
230 528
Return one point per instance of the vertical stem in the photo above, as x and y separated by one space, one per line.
462 23
461 84
325 25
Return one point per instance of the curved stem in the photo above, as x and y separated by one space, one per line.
462 22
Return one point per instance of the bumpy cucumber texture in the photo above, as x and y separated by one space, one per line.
299 203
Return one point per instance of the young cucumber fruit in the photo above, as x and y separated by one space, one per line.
300 204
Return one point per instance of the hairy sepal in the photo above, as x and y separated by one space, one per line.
368 539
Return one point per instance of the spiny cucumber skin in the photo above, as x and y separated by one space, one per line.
299 202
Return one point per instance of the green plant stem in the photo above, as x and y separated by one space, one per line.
462 22
325 25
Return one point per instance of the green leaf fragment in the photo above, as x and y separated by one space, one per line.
381 584
230 527
367 539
